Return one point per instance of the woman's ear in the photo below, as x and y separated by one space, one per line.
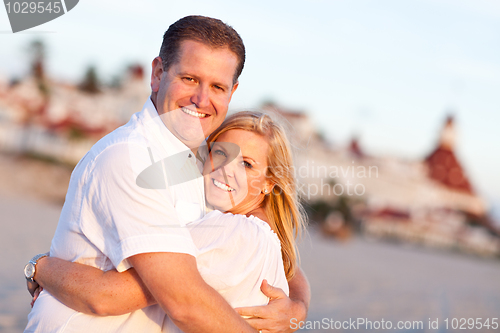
269 187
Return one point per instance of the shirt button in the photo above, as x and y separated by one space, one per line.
189 156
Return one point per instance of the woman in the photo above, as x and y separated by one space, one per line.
254 241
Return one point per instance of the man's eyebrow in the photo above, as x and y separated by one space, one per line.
181 73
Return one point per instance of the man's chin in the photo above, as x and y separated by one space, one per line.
193 142
192 139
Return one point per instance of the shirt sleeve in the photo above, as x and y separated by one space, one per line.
125 217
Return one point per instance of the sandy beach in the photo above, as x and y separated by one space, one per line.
397 282
349 280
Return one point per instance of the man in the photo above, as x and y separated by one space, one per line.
113 218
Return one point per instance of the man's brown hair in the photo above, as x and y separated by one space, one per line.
206 30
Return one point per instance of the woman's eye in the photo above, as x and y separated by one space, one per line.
247 165
219 152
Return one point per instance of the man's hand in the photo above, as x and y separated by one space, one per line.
276 316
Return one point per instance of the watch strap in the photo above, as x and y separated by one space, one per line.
35 259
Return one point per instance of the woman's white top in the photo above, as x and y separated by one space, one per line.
235 254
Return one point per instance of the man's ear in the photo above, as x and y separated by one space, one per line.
156 73
235 86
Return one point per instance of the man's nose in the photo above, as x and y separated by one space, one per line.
200 97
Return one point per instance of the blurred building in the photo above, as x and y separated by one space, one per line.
63 121
430 201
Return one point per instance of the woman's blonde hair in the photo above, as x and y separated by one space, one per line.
282 206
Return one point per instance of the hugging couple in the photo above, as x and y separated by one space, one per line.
182 220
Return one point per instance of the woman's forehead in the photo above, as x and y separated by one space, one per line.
250 143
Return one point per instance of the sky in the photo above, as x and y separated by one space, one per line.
386 71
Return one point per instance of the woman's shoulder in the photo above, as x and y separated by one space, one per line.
242 225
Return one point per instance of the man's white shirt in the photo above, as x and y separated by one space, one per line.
125 198
108 218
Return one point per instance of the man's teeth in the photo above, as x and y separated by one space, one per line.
193 113
223 186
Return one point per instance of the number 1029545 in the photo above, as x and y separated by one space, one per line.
471 323
33 7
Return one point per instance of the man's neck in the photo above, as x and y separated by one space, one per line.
153 100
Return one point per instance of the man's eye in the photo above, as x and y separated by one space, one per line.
219 88
188 79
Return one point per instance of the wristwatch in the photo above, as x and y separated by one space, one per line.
30 268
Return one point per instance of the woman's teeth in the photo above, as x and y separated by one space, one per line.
222 186
193 113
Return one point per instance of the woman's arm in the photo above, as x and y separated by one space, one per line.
89 290
300 293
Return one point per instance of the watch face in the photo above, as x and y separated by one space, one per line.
29 270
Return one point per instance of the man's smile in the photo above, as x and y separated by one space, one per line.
194 113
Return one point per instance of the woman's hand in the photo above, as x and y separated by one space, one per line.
36 293
32 287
